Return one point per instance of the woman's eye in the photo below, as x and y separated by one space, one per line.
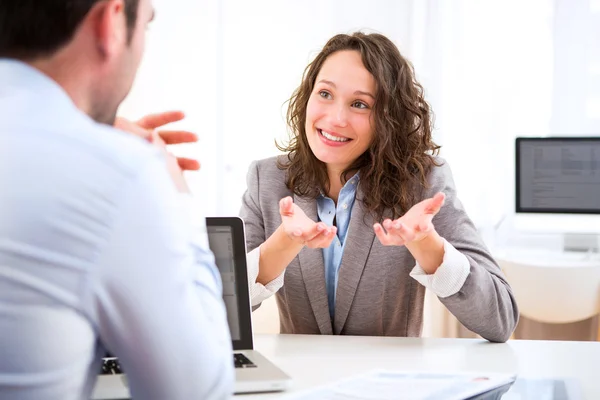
360 104
324 94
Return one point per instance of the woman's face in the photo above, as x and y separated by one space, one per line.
338 114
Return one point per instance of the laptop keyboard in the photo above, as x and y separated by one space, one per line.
111 366
241 361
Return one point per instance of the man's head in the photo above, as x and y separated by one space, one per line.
92 48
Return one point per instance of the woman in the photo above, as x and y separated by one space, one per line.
361 152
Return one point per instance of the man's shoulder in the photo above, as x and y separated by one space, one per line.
105 151
66 183
124 150
78 157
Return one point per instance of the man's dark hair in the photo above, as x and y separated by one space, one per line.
33 29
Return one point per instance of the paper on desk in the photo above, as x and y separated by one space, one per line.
392 385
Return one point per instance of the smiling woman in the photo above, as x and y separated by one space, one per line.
361 216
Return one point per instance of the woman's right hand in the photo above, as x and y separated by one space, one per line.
301 229
295 232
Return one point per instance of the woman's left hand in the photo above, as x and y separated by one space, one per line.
413 226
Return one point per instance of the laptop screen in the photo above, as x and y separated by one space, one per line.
228 243
220 239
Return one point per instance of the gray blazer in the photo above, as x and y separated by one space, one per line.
375 294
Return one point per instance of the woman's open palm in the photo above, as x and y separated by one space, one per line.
302 229
413 226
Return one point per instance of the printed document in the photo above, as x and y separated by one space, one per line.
393 385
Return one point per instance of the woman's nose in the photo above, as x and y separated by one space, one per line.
341 116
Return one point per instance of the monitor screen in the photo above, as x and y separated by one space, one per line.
558 175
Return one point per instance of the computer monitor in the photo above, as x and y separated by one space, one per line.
558 188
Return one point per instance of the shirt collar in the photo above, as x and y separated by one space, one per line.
21 79
352 181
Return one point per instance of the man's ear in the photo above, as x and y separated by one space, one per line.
110 26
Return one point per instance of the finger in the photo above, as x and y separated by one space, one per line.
323 239
188 164
314 231
405 232
398 233
381 235
286 207
156 139
387 224
177 137
308 235
330 236
425 227
154 121
130 127
435 203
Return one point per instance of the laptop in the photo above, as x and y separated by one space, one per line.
253 372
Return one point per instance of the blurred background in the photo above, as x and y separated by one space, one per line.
492 71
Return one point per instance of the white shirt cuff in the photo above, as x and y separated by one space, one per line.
258 291
451 275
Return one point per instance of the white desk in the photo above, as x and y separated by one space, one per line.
313 360
548 257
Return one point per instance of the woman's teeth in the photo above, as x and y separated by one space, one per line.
333 138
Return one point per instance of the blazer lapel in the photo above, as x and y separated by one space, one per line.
313 272
357 247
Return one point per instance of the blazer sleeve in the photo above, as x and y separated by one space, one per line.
251 212
252 215
485 304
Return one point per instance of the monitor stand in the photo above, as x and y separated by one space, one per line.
581 242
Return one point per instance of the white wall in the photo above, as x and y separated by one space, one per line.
179 72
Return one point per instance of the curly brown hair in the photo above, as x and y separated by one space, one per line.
396 165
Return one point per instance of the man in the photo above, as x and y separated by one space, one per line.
97 251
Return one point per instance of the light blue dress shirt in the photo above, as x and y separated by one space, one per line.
98 252
332 255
